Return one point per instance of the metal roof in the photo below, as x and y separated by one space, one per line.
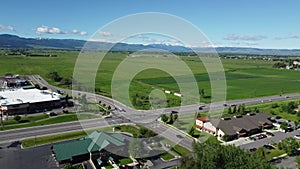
19 96
96 141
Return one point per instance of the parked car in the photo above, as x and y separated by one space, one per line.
297 136
262 136
269 147
270 134
52 114
253 149
289 129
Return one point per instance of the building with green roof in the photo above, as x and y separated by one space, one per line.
85 148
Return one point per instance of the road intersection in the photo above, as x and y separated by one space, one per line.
124 114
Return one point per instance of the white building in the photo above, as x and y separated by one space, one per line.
21 101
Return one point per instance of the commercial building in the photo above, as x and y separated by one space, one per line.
235 127
96 148
23 101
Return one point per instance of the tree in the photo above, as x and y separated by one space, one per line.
234 110
296 123
175 116
54 76
192 131
289 145
211 154
164 118
201 92
242 109
229 110
17 118
284 126
171 119
66 81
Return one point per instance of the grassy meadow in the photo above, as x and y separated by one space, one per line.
244 78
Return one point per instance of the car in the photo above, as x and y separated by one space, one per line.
201 107
179 136
253 149
270 134
262 136
269 147
297 136
52 114
289 129
108 116
224 104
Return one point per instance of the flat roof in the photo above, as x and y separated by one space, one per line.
20 96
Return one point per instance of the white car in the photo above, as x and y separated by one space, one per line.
297 136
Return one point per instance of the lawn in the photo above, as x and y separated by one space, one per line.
26 118
181 150
274 153
125 161
43 120
128 129
166 156
35 141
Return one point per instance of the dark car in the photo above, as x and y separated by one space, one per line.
53 114
253 149
262 136
269 147
201 107
270 134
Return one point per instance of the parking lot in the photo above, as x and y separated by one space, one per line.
12 156
278 136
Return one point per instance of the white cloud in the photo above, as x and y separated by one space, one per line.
244 43
235 37
105 34
290 36
6 28
55 30
48 30
81 33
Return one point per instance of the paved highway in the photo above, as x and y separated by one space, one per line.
22 133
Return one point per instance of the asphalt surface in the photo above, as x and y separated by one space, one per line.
22 133
278 136
14 157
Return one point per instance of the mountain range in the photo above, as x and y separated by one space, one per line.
8 41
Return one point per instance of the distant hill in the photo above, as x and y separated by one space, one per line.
8 41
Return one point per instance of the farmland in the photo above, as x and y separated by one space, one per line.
244 78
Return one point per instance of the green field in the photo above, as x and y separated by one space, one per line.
244 78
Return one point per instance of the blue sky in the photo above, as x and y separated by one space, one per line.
262 24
